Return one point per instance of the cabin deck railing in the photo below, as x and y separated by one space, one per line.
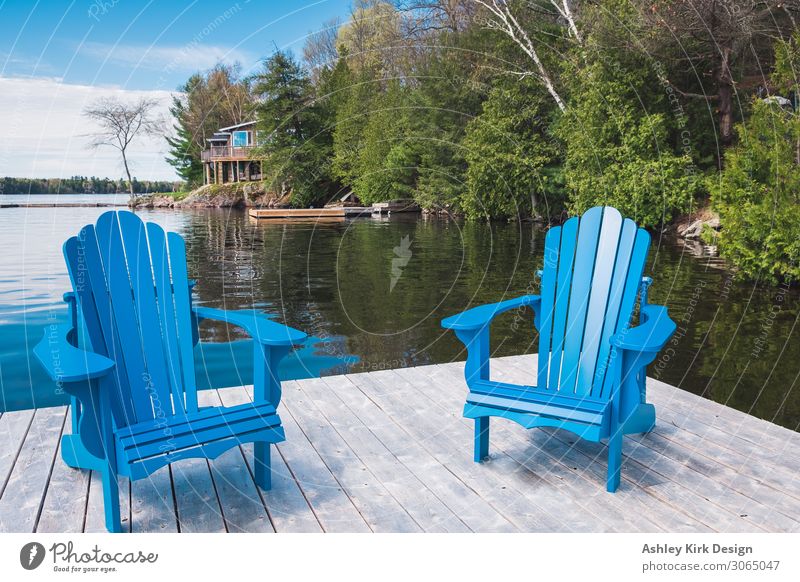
217 152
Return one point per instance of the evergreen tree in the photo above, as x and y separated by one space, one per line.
296 146
184 149
757 194
508 151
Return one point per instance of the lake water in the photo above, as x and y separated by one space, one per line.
372 293
119 198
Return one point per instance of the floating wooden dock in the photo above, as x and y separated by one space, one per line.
310 213
388 451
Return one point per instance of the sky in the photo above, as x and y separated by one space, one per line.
58 56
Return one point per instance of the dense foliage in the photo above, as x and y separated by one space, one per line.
757 194
516 109
294 147
207 101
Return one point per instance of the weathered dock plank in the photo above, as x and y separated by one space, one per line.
389 451
242 507
27 483
287 508
435 478
374 502
153 504
64 509
427 511
13 429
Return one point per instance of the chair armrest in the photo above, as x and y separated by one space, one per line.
259 327
64 362
649 336
478 317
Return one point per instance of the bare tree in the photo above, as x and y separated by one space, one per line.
120 123
563 8
320 50
722 42
502 18
437 15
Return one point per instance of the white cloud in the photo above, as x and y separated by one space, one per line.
189 57
44 132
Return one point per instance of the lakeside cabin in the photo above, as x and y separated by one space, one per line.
227 157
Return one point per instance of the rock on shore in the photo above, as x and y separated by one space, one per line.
233 195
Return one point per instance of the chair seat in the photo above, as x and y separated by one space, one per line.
532 400
146 446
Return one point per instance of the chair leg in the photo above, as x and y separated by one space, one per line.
111 501
262 466
481 438
614 461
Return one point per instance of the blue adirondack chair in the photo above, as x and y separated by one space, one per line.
132 382
591 371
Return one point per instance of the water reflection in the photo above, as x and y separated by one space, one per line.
372 294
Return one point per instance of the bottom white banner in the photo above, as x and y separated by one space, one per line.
442 557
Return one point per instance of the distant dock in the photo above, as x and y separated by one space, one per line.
338 212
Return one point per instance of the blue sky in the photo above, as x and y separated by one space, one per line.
57 56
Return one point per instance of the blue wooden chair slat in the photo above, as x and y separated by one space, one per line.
112 254
630 291
605 262
133 387
183 311
141 278
552 242
591 371
141 448
98 294
579 294
204 418
140 469
157 241
616 287
531 393
563 274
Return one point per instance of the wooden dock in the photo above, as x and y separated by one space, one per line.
388 451
309 213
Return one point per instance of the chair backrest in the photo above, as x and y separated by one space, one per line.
593 267
133 294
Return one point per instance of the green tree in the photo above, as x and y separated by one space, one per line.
386 166
184 149
296 145
757 194
507 151
616 133
207 101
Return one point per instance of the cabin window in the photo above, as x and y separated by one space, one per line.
241 139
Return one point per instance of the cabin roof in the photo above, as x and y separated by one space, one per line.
237 126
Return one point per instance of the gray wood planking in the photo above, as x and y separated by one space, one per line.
389 451
64 508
